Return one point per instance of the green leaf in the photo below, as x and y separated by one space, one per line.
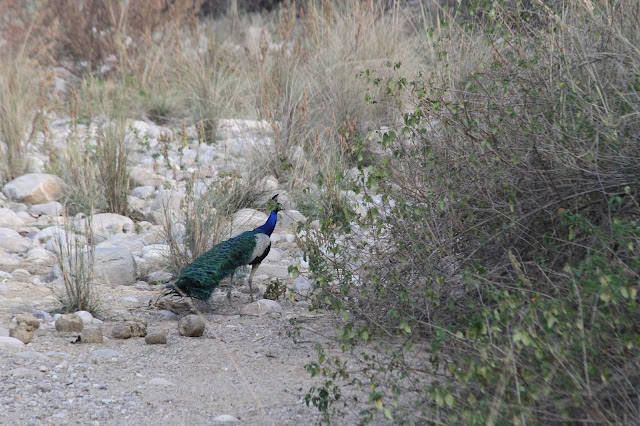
448 399
387 414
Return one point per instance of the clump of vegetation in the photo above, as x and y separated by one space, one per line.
75 256
23 84
494 276
95 161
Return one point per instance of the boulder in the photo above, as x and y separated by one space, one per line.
69 323
191 326
29 320
92 334
261 307
10 342
302 286
51 232
287 218
273 270
52 208
159 277
135 328
9 218
246 219
39 261
15 244
156 338
146 177
8 262
143 192
34 188
22 332
103 225
166 205
86 317
114 266
26 218
133 242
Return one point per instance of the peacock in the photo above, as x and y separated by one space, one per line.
200 278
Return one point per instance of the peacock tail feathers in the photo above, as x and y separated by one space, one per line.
199 279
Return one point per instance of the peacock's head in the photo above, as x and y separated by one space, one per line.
273 204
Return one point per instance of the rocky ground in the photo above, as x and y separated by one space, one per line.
243 368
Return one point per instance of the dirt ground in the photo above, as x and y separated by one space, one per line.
245 366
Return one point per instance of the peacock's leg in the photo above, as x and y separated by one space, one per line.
253 270
230 288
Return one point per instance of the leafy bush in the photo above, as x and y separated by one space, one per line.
493 275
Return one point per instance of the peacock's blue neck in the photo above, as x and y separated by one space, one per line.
270 224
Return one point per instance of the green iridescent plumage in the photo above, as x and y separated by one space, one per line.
200 279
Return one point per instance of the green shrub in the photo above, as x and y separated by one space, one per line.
494 277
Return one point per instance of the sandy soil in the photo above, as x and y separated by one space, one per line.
243 366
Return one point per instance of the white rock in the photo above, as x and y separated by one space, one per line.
103 225
288 217
8 233
156 251
51 232
20 273
8 261
261 307
133 242
274 271
248 219
10 342
86 317
275 255
15 244
166 204
40 255
26 218
34 188
140 128
114 266
9 218
302 285
146 177
159 276
52 208
225 418
143 192
269 183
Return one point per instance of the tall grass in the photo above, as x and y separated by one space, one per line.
75 256
95 161
22 86
307 86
